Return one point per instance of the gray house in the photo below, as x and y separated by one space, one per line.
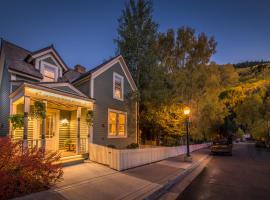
69 95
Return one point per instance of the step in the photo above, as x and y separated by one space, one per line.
72 160
71 157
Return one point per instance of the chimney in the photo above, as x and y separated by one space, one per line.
80 69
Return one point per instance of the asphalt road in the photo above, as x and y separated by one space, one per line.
245 175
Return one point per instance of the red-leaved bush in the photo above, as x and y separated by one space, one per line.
26 171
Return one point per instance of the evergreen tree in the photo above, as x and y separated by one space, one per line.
136 40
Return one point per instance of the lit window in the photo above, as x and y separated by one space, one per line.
49 74
121 124
112 123
118 86
117 124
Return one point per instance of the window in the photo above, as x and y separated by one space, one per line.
116 123
49 74
118 86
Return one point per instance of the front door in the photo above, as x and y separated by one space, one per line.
52 129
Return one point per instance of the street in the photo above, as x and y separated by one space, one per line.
245 175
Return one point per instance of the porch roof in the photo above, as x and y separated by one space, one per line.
57 92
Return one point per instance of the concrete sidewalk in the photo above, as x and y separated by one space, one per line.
95 182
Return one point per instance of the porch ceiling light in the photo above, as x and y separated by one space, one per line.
64 122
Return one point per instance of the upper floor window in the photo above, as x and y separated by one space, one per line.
49 74
118 86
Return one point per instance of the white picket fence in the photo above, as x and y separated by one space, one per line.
121 159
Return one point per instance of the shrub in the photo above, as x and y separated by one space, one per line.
133 146
26 171
170 141
111 146
17 121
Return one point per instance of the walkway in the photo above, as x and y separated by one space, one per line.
97 182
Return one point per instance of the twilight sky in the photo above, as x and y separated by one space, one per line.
83 30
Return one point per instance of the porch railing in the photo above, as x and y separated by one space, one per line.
37 143
83 145
31 144
50 144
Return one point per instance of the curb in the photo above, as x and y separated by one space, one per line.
166 187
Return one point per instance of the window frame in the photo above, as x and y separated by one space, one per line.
117 124
122 86
42 69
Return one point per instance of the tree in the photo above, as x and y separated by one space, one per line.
249 114
184 49
136 39
172 68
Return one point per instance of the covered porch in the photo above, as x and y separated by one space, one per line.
64 127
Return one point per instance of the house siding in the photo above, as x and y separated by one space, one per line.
4 102
84 87
103 94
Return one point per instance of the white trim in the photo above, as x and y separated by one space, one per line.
122 86
43 64
63 84
41 59
53 52
92 87
128 74
124 68
25 75
13 77
117 112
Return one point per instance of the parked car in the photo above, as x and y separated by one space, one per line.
221 147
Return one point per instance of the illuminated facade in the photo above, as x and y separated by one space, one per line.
68 95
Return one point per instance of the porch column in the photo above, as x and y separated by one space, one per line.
13 110
91 134
26 113
78 146
43 142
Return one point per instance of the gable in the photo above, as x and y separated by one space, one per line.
50 60
120 61
50 55
64 87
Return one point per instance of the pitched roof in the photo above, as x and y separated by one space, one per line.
71 75
106 65
94 69
62 87
15 58
54 53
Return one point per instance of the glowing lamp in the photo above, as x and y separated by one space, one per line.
186 111
64 122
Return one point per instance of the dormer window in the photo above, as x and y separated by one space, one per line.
118 86
49 74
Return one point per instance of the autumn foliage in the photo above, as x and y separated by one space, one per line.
26 171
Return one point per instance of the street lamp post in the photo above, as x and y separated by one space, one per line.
186 113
